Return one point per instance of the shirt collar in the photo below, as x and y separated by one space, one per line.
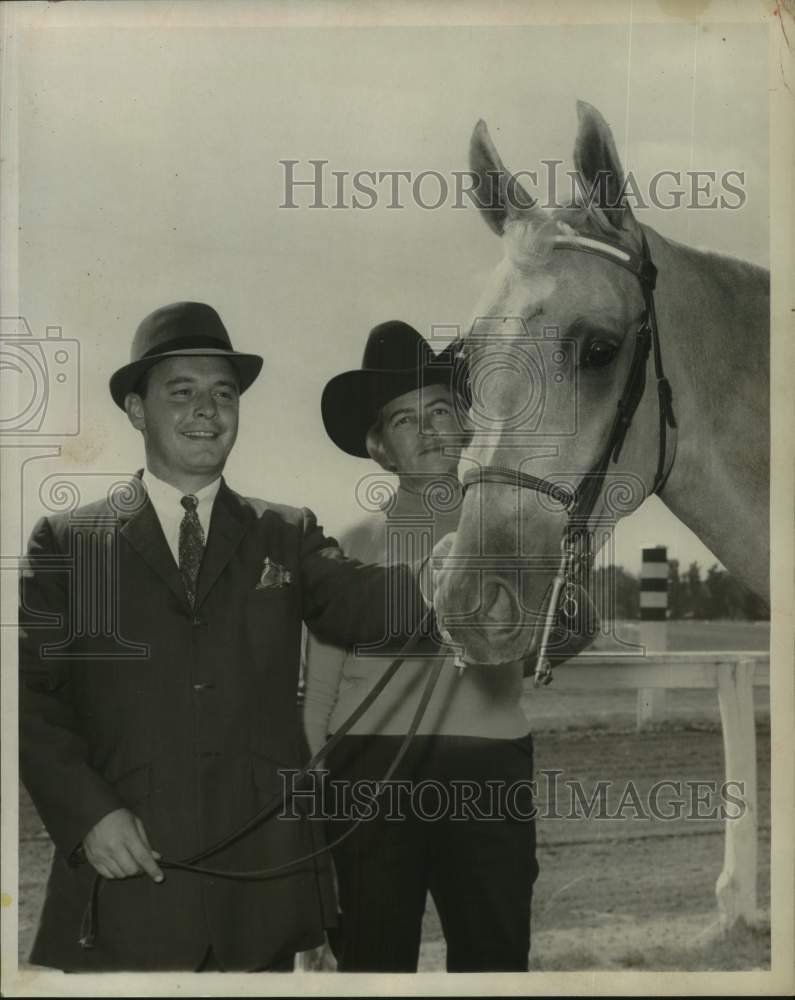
164 495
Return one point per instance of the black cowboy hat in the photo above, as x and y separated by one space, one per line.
182 328
396 360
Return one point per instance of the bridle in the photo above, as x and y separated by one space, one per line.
579 503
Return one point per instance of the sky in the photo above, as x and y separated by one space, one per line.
150 172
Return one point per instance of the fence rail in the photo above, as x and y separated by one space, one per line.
733 675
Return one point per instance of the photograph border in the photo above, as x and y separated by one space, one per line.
16 18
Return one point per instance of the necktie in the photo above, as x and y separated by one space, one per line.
191 545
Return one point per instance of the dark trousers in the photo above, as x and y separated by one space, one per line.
479 870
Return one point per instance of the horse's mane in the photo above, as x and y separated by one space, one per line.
583 221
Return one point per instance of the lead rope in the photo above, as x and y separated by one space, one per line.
89 923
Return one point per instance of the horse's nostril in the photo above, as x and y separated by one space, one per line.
499 605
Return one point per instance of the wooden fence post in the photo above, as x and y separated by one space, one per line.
651 702
736 886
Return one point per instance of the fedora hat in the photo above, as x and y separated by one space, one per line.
396 360
182 328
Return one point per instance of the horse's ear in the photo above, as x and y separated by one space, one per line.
498 194
597 162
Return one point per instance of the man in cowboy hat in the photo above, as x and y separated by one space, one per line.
159 652
403 409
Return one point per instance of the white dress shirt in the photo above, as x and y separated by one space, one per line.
167 503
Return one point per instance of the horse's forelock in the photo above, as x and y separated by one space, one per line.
529 242
525 244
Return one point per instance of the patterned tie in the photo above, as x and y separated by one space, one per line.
191 545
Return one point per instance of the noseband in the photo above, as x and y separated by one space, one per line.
576 548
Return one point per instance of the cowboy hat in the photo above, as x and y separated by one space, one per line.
182 328
396 360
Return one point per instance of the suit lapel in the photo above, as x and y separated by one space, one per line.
230 522
141 528
143 532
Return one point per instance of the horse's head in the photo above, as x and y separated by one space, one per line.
549 350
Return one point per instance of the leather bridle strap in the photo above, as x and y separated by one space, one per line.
647 339
665 398
512 477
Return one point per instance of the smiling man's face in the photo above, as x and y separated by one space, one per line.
188 416
420 432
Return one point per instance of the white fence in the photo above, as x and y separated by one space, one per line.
734 675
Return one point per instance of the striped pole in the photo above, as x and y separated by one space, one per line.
653 627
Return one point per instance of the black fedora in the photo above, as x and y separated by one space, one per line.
396 360
182 328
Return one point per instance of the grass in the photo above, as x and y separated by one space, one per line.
692 634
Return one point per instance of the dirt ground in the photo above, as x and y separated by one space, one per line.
607 886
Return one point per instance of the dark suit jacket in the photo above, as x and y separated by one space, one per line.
131 698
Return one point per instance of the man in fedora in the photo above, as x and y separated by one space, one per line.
404 409
159 653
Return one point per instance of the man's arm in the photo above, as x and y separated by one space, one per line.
75 803
348 602
69 795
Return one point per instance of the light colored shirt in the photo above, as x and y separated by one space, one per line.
481 701
167 503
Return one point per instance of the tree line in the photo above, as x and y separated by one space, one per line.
717 595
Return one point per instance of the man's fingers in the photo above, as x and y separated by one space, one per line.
101 869
127 861
146 856
142 832
143 856
117 847
111 863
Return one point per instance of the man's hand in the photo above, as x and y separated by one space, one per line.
429 576
117 847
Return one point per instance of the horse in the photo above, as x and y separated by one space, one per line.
562 405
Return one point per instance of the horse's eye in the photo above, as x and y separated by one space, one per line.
599 354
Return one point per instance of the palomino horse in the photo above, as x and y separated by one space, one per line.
577 282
